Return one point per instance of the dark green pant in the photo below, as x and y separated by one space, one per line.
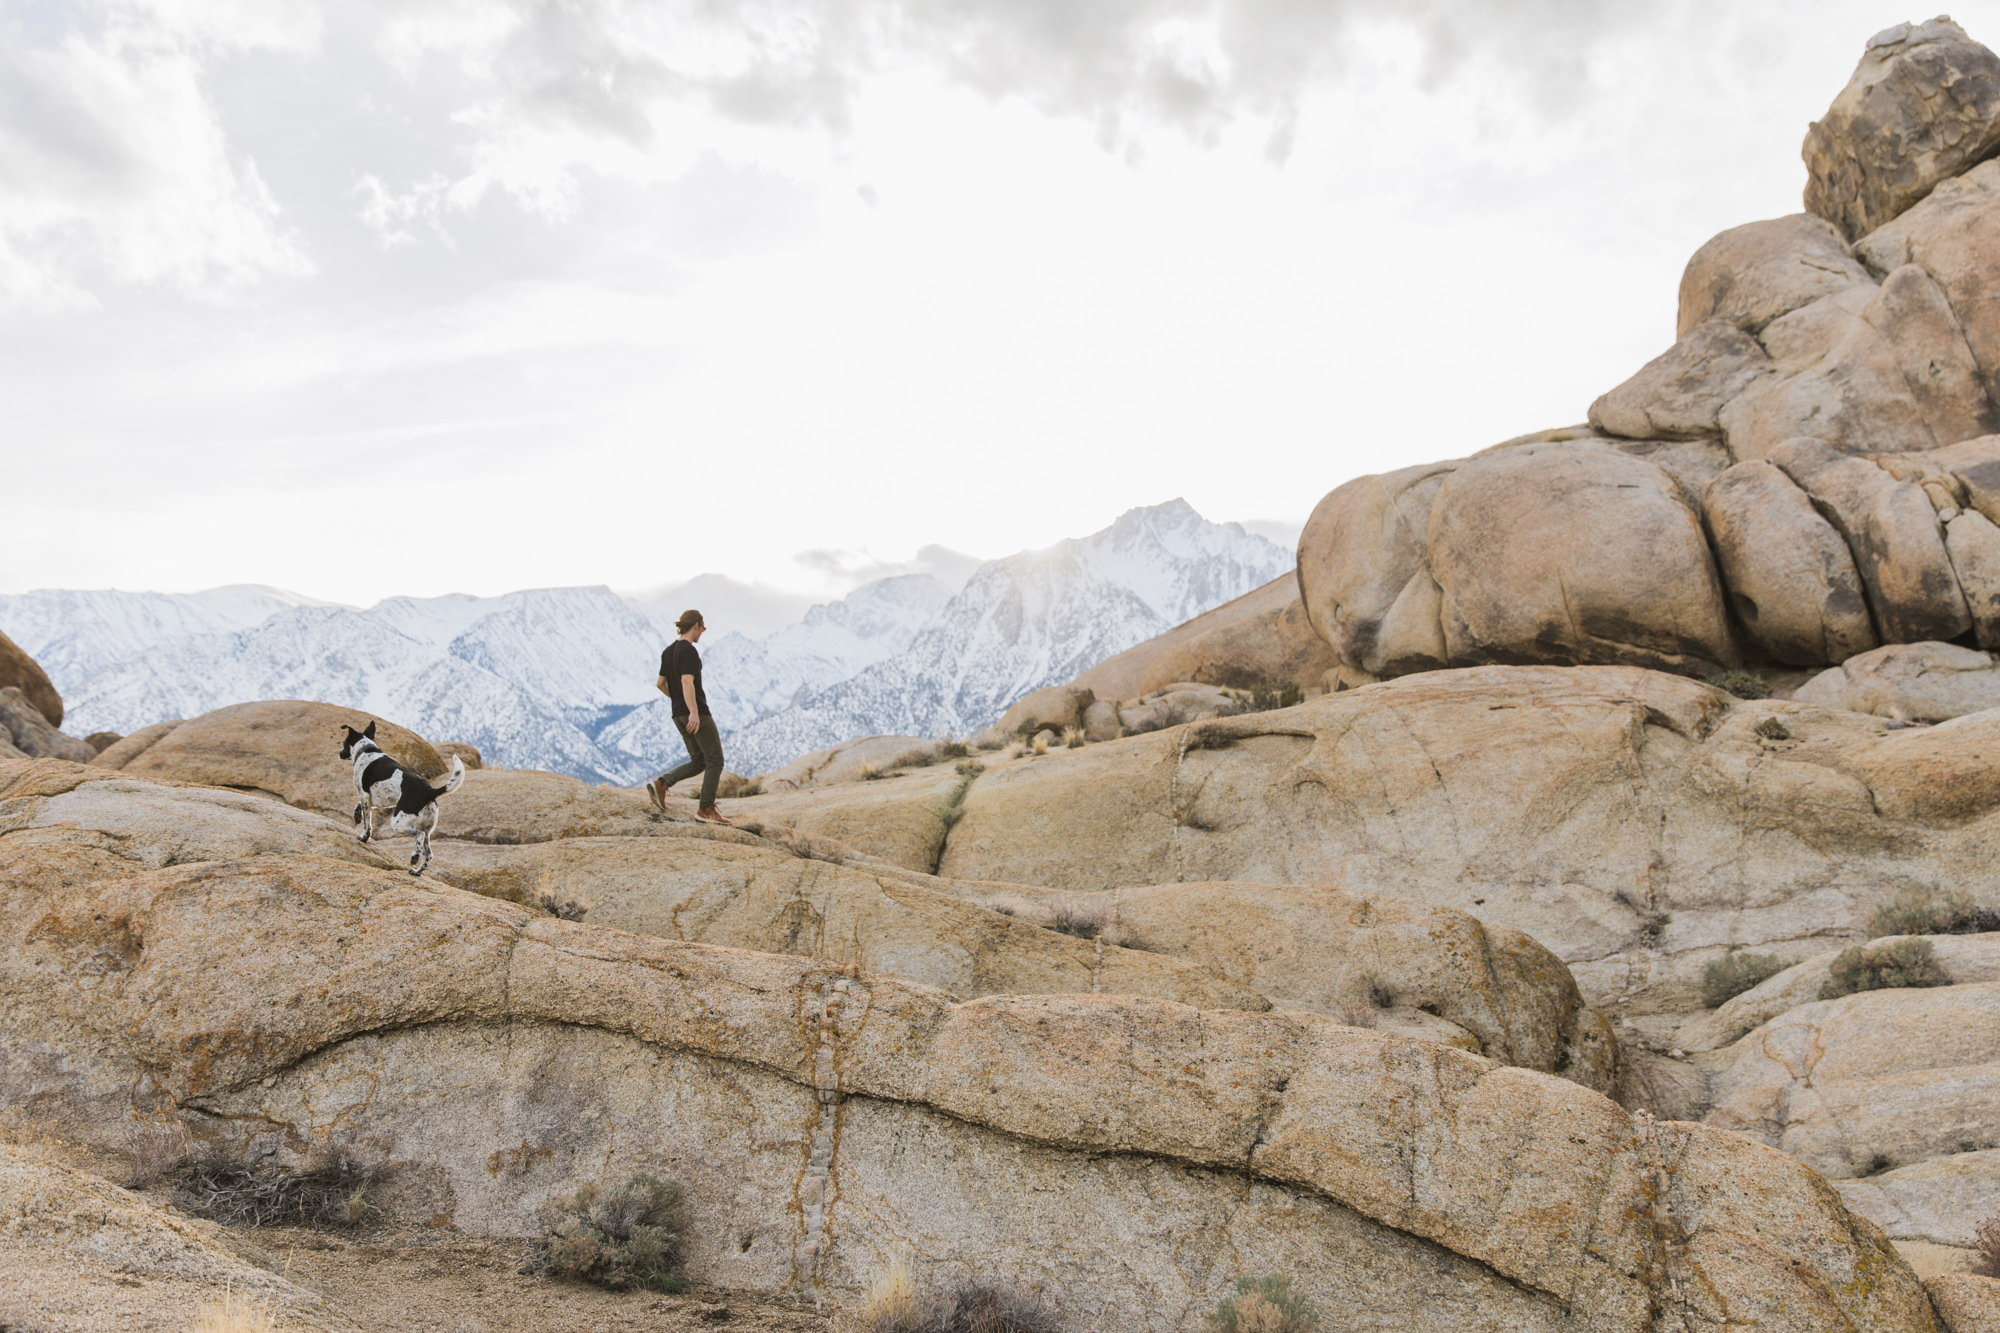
704 757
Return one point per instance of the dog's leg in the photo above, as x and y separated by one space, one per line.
361 820
421 857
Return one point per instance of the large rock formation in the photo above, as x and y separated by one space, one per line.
24 673
1804 475
826 1122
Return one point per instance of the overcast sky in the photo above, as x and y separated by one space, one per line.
367 298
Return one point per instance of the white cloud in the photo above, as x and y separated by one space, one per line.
115 164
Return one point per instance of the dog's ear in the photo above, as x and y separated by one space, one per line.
370 733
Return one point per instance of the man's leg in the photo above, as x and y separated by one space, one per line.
710 740
696 761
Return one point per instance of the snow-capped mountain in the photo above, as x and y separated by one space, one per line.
562 678
1033 619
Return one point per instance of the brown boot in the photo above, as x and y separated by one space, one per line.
708 814
656 792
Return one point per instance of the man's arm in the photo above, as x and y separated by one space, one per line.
687 693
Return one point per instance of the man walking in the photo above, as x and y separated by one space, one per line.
680 681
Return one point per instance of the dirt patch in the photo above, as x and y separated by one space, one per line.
436 1280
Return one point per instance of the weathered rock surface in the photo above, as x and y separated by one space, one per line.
1329 952
288 748
1751 275
1922 106
466 753
1681 393
25 674
1053 708
499 1058
1912 682
124 751
750 897
901 819
79 1253
1965 1303
1790 578
1842 1085
30 733
1635 823
844 762
1572 550
1941 1201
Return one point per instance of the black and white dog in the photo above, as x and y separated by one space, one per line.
383 784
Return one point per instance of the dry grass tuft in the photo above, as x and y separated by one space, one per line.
1073 738
1264 1305
230 1313
1359 1015
1742 684
153 1153
566 909
1084 921
892 1303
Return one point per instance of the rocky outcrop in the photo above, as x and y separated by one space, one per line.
762 898
1965 1303
24 727
287 748
466 753
1911 682
77 1252
1922 106
1827 414
824 1122
1636 823
844 762
123 751
25 674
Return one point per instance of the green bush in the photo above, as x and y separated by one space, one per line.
1900 963
1926 909
620 1238
1733 973
1264 1305
1742 684
951 749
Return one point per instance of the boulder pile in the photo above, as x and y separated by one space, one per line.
1809 473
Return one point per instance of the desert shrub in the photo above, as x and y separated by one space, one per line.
617 1238
969 769
1985 1259
1041 745
869 773
1072 738
566 909
1926 909
1264 698
986 1307
1264 1305
329 1191
1085 921
923 757
951 749
1742 684
732 787
1900 963
1359 1015
231 1313
1773 729
1730 975
991 740
1380 994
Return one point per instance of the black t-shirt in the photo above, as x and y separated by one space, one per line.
679 660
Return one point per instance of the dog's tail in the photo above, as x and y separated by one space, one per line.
457 776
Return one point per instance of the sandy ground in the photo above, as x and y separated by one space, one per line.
436 1280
